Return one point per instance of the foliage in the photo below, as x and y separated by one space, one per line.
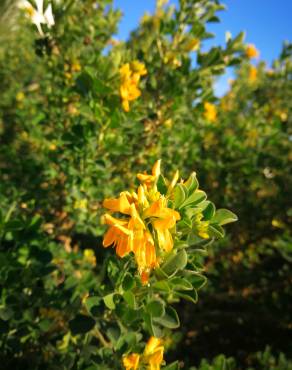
85 113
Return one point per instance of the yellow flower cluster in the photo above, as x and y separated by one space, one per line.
152 356
146 228
251 51
210 112
201 226
130 74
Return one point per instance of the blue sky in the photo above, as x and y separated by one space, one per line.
267 24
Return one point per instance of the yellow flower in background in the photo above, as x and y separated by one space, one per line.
147 224
89 256
251 51
81 204
131 362
252 74
130 74
210 112
151 358
20 96
192 45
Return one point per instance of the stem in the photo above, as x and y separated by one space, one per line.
101 338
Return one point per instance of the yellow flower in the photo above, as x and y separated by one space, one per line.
130 76
252 74
131 362
81 204
152 356
251 51
147 226
138 68
201 226
89 256
20 96
148 180
210 112
153 353
192 45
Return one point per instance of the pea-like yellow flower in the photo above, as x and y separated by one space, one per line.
210 112
201 226
252 74
152 356
153 353
130 74
131 362
147 225
192 45
251 51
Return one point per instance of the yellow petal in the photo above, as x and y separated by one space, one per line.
165 240
123 246
125 105
152 345
156 168
156 359
174 180
135 221
131 362
110 220
142 199
110 237
121 204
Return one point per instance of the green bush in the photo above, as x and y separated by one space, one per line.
80 114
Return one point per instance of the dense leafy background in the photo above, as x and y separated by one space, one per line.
66 144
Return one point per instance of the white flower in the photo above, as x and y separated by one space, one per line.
37 15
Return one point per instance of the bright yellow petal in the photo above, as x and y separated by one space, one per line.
135 221
156 359
121 204
126 105
123 246
174 180
152 345
110 220
110 237
142 199
156 168
131 362
165 240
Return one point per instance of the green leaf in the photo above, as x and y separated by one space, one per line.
84 83
223 217
180 284
161 185
109 301
190 295
160 274
129 297
216 231
172 366
197 197
81 324
156 308
93 305
128 282
151 325
180 194
175 261
192 183
209 211
170 319
162 285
